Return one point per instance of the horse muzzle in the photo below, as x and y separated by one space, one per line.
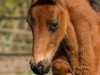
40 68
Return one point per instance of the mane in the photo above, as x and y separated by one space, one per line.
49 2
95 4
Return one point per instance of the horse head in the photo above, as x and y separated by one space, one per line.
48 22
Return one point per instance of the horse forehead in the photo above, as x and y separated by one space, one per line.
45 11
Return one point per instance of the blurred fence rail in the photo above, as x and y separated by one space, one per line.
12 17
15 35
17 31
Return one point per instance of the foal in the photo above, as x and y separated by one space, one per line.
66 34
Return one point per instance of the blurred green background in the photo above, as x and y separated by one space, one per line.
15 38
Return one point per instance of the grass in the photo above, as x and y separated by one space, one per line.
24 74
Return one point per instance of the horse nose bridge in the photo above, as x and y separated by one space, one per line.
39 50
37 58
38 54
40 43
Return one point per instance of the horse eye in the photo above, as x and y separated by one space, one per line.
53 26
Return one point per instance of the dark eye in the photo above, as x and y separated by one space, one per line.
53 26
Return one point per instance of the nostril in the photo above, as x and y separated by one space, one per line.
40 68
41 64
44 69
36 69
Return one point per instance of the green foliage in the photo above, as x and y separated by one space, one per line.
8 6
12 39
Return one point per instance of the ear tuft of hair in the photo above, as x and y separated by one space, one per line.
45 1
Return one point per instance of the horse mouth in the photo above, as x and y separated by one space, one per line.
40 69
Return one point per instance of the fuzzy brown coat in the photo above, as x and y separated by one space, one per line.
85 29
81 41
